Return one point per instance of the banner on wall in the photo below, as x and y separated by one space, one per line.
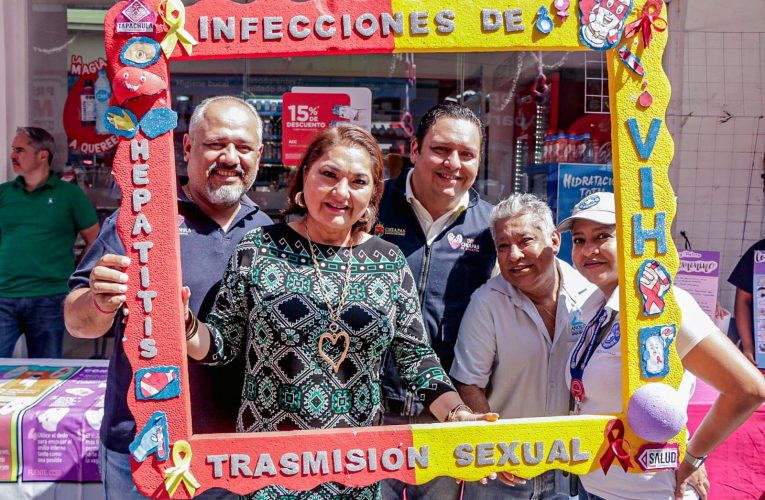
759 308
698 274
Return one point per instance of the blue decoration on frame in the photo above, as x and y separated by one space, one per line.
157 383
644 149
654 350
653 283
646 187
602 22
140 52
544 22
158 121
120 121
153 439
640 235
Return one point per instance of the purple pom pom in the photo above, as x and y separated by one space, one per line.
655 413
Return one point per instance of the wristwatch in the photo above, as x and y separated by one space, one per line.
695 462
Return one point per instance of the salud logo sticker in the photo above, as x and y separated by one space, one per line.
652 457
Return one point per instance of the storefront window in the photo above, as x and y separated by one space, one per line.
536 107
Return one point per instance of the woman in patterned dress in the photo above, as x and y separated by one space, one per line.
315 304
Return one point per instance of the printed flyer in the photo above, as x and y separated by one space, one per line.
698 275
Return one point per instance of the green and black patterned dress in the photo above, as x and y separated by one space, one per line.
271 306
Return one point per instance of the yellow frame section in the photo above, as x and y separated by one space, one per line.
625 87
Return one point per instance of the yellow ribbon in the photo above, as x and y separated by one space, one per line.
180 473
176 23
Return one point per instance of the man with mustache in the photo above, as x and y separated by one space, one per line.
517 333
222 151
441 224
40 217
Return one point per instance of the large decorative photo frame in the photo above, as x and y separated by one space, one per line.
169 461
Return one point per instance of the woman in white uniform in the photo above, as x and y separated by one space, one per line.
595 365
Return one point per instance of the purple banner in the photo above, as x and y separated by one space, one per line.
60 433
698 275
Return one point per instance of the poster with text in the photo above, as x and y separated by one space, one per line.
305 115
698 274
358 111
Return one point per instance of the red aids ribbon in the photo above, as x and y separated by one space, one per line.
616 450
652 297
648 21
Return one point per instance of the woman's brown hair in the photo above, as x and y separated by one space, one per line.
349 136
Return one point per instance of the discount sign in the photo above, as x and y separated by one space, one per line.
305 115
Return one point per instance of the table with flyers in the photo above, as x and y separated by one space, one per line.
50 415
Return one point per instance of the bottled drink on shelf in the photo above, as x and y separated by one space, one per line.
87 105
572 148
586 149
103 92
561 149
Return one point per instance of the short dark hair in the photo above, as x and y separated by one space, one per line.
40 140
341 135
448 110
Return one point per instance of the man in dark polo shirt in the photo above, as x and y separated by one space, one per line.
40 217
222 151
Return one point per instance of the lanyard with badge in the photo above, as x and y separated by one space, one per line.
596 329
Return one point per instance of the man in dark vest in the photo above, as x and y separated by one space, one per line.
438 220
